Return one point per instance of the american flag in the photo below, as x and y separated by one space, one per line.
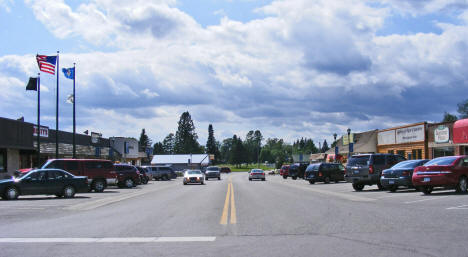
46 63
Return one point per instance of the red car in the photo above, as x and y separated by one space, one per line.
448 172
284 171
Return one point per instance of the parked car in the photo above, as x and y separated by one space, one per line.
400 174
161 172
145 176
212 172
284 171
44 182
128 175
296 170
225 170
100 173
324 172
366 169
256 174
447 172
193 176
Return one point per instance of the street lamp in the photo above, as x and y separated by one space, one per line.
349 142
336 147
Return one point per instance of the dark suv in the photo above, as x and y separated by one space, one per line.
366 169
127 175
296 170
161 172
324 172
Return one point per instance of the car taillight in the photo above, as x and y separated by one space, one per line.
371 169
263 174
320 174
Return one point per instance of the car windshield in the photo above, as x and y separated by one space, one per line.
359 160
193 172
212 169
313 167
441 161
406 164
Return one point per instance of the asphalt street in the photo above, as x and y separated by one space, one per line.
237 217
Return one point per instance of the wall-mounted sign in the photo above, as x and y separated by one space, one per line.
441 134
95 137
346 140
410 134
386 137
44 131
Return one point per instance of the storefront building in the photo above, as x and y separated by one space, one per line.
440 136
363 142
409 141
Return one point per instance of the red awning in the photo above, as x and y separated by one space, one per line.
460 131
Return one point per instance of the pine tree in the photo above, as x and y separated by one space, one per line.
144 141
168 144
158 148
211 144
186 138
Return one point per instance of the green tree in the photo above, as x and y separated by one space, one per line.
325 146
168 144
237 156
158 148
186 137
211 146
225 150
449 117
144 141
463 109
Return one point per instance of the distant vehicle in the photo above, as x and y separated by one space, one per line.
324 172
161 172
212 172
447 172
128 175
400 174
225 170
100 173
297 170
44 182
284 171
366 169
193 176
145 176
256 174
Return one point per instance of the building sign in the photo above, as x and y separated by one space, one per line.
441 134
410 134
44 131
95 137
386 137
346 140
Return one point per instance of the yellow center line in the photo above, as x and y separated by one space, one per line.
224 216
233 206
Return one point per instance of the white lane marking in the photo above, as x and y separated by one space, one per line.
349 196
429 199
108 240
461 207
22 208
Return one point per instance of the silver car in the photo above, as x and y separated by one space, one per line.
257 174
193 176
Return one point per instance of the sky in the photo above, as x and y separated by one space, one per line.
289 68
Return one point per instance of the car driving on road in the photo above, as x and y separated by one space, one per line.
212 172
193 176
257 174
44 182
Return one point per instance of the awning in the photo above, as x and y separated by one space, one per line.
460 131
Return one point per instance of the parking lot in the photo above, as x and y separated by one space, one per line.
223 218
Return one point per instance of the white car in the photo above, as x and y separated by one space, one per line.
194 176
257 174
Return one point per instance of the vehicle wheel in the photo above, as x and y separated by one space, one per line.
337 181
326 180
165 178
285 177
11 193
69 192
380 186
311 182
393 188
358 187
156 179
58 195
202 183
427 190
263 179
145 181
462 185
294 177
129 183
185 183
219 178
250 179
99 185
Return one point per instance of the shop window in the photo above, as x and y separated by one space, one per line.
391 151
443 151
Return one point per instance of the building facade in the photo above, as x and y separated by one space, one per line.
410 141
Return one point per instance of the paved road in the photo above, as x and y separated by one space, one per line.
235 217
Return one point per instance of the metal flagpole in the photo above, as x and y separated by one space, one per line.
74 118
38 119
57 112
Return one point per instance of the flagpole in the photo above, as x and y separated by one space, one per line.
38 119
57 111
74 117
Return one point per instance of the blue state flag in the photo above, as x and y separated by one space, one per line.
69 73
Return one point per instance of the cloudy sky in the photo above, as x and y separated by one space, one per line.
292 68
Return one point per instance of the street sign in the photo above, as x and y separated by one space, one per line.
351 147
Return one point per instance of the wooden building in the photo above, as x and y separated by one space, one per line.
410 141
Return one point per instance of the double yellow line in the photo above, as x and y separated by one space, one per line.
224 216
